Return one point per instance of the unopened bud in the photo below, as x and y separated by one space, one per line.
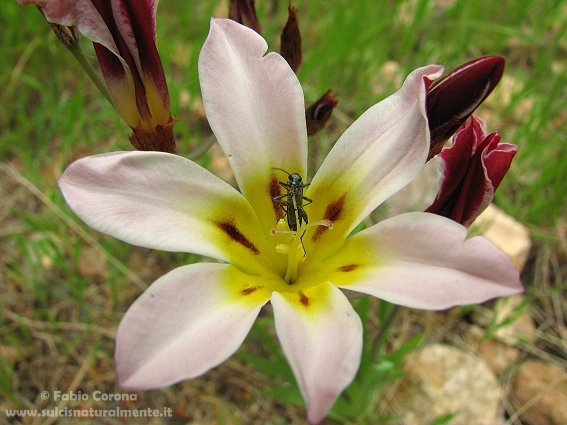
290 47
244 12
453 98
319 112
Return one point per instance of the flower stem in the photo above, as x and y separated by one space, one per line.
385 329
203 149
76 50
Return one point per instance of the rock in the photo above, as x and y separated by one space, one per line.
539 394
506 233
498 356
444 380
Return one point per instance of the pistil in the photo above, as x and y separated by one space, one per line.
295 251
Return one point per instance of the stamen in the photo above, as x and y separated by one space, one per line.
281 232
282 224
325 223
295 250
282 248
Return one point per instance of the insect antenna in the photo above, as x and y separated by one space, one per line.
281 169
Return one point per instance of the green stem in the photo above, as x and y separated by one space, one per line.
76 50
202 150
384 331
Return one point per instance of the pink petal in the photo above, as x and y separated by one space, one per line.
255 107
136 24
380 153
81 13
496 158
321 336
473 168
182 326
423 261
133 69
167 202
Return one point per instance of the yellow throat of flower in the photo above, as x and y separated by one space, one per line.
295 249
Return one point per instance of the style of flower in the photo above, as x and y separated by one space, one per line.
124 38
196 316
472 169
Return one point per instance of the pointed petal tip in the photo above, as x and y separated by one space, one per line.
183 325
434 266
453 98
124 381
322 335
497 63
488 68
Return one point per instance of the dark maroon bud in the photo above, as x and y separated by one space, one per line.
472 169
244 12
454 97
319 112
290 47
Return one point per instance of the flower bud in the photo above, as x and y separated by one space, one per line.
454 97
124 38
244 12
319 112
290 47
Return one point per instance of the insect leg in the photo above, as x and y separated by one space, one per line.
302 244
305 198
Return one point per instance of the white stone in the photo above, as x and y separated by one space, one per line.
539 393
510 236
443 380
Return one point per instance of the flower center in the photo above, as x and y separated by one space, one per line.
295 249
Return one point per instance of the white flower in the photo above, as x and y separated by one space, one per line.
196 316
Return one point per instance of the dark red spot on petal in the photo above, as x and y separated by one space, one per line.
348 268
252 289
275 190
303 299
334 210
229 227
333 213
